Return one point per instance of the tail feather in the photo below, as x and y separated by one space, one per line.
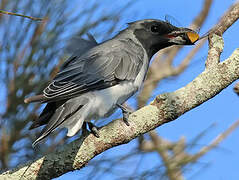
61 114
49 127
45 116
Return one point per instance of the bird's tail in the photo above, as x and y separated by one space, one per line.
68 115
46 115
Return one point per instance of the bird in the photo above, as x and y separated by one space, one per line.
100 77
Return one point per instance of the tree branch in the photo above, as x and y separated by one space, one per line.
174 155
21 15
227 20
213 144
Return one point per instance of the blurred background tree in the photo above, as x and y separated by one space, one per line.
32 51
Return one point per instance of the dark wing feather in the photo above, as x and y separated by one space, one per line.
60 114
78 45
45 116
101 67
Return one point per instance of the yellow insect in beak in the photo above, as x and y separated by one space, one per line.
192 36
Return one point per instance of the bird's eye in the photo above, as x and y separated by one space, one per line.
155 29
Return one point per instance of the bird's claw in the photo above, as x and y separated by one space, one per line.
84 129
126 112
126 118
93 129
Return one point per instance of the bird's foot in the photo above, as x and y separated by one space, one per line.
94 129
126 112
84 129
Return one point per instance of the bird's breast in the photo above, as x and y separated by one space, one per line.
106 100
142 74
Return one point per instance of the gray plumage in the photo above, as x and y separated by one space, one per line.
98 77
99 68
78 46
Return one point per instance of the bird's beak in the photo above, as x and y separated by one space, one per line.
183 37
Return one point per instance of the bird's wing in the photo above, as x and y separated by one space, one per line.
101 67
78 45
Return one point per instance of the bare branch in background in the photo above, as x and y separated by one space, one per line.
214 143
175 156
28 55
21 15
230 17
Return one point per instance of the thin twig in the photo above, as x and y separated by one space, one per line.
21 15
215 142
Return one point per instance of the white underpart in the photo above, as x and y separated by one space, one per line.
102 103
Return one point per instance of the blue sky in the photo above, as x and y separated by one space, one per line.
221 163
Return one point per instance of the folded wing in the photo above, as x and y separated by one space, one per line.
101 67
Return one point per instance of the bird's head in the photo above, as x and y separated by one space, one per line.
155 35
